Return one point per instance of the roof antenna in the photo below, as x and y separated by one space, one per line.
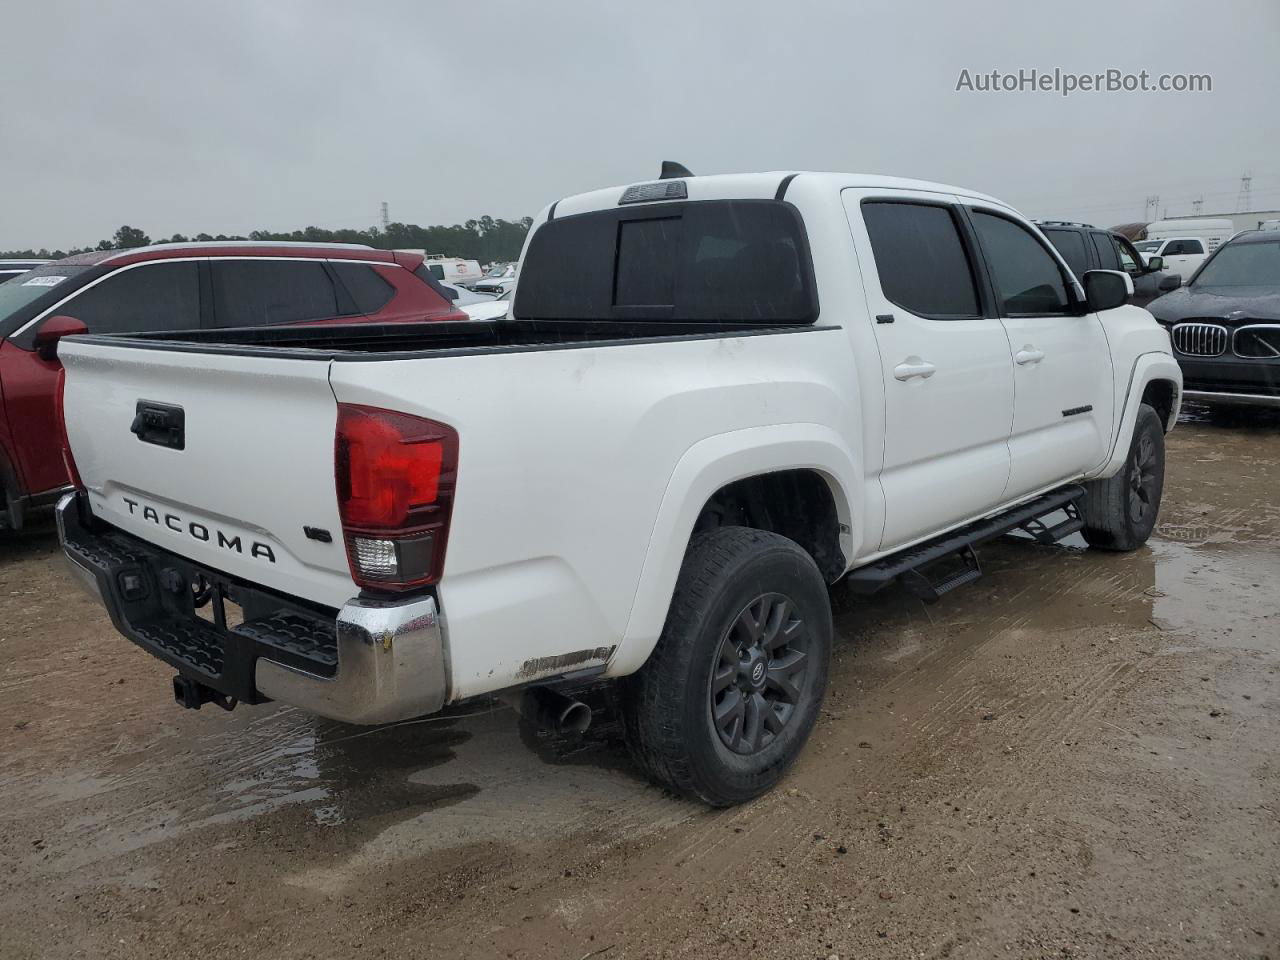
671 170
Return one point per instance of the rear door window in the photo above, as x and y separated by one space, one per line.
149 297
1070 243
1028 280
921 259
735 261
255 293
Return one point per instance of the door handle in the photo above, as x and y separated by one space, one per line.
1028 354
914 367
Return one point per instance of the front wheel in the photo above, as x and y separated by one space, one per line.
1120 512
729 695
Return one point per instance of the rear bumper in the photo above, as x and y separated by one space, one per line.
368 662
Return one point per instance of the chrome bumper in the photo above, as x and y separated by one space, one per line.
392 661
85 578
1237 399
391 666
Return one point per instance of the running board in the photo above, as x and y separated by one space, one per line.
909 565
1047 535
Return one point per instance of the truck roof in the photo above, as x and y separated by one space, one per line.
763 186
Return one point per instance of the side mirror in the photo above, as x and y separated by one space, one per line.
54 329
1154 264
1106 289
1170 282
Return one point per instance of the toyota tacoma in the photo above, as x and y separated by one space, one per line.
715 399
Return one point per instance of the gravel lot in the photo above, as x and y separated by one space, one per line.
1077 756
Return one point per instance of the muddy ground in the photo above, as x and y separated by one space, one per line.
1077 756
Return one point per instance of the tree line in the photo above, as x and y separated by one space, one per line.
486 239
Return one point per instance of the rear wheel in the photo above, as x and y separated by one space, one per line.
1121 511
728 697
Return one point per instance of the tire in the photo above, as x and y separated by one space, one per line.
739 590
1120 512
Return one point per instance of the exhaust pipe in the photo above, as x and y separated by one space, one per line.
549 709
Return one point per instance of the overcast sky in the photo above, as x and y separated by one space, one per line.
230 116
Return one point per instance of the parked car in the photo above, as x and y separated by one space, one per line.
752 387
1184 244
477 306
453 270
1214 231
11 268
500 278
1180 255
1225 324
174 287
1086 247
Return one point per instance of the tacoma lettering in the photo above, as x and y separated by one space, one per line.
198 531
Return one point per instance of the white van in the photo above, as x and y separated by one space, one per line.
450 269
1184 244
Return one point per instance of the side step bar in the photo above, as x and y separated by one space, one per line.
909 564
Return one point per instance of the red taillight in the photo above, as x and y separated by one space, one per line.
395 476
67 460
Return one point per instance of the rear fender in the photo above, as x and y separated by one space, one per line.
706 467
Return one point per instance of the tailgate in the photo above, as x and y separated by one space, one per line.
233 467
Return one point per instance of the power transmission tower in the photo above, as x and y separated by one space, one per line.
1197 206
386 217
1244 199
1152 207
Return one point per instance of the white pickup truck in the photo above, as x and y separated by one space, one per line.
715 398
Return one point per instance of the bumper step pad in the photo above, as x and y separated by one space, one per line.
148 592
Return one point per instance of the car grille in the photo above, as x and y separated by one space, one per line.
1200 339
1257 342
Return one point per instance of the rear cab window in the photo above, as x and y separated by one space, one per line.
704 261
921 259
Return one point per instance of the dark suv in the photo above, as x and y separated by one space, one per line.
175 287
1225 323
1086 247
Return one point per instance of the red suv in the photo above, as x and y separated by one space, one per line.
176 287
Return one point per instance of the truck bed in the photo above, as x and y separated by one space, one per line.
392 341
